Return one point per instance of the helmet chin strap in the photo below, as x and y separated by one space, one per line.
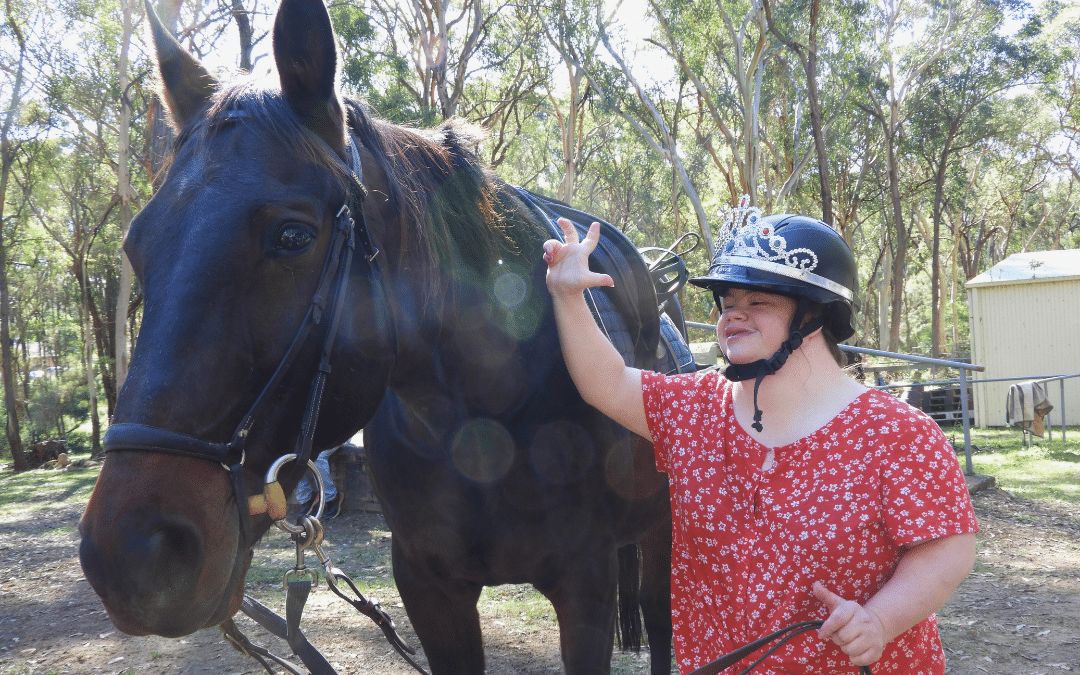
737 372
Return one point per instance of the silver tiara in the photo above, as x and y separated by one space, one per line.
744 233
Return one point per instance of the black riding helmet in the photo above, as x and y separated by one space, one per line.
793 255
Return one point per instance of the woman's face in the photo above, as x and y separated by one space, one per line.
753 324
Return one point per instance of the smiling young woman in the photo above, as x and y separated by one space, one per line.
753 324
843 504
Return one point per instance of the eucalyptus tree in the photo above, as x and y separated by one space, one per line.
571 30
910 37
80 214
642 104
45 315
636 187
22 123
956 112
371 67
1063 231
721 49
431 45
124 190
858 182
82 86
830 68
507 97
1061 35
748 94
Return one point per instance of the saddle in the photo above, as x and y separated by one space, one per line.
628 313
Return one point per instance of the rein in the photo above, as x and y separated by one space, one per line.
782 636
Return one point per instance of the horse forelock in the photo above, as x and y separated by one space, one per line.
246 102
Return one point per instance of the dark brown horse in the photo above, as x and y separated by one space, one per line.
437 335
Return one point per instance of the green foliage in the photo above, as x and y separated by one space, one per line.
992 120
1046 469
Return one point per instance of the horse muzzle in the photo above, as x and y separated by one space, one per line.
161 547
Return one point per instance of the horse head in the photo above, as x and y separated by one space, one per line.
245 258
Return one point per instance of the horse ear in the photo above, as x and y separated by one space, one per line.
186 85
305 50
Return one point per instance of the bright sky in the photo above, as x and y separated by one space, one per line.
631 21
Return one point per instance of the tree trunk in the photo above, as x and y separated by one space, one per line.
901 238
817 129
570 129
883 285
14 437
91 387
935 253
123 187
807 55
243 25
7 158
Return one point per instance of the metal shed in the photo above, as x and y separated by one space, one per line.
1024 316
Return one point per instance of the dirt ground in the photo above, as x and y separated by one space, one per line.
1017 614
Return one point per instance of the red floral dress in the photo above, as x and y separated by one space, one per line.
835 506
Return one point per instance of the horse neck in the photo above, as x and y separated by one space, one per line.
451 343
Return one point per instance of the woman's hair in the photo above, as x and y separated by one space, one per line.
815 310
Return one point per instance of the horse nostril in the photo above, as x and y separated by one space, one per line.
165 561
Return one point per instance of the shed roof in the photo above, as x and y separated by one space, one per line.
1028 267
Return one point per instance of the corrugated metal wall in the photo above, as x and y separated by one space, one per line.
1025 328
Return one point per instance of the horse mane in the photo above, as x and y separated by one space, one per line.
452 209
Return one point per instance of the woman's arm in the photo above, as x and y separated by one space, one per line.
597 368
925 577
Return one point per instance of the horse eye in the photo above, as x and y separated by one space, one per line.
295 238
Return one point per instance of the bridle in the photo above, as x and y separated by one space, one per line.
325 306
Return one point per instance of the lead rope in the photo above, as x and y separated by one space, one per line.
307 533
784 635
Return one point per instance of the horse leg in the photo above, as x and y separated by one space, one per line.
656 595
445 618
584 598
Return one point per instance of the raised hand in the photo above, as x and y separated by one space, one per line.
568 263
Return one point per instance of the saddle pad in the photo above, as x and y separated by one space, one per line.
673 354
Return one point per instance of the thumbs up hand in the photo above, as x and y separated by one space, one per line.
853 628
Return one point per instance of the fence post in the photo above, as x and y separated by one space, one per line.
1062 383
970 470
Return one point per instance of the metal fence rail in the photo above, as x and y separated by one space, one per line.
1040 379
961 366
